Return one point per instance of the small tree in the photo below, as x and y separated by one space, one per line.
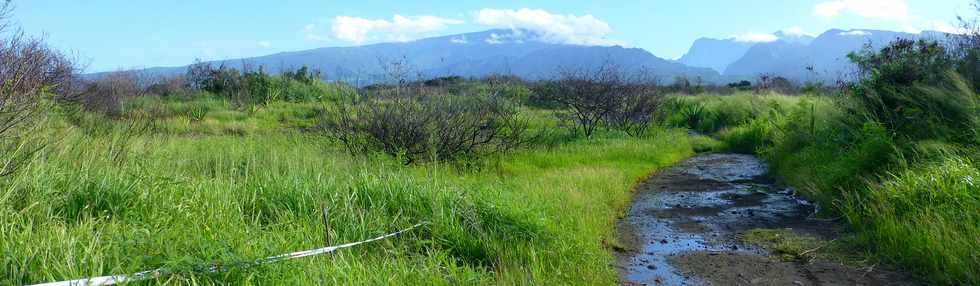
635 111
966 48
591 97
106 94
29 70
911 89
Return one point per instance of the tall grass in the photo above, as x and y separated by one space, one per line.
189 194
929 215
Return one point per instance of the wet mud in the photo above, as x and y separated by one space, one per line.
681 229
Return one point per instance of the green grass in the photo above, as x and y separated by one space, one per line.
929 214
235 186
785 244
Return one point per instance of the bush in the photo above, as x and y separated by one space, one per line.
29 72
909 87
167 86
634 112
251 88
105 95
419 128
741 85
606 95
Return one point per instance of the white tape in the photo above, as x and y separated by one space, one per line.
129 278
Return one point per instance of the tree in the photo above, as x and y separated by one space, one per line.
965 48
105 95
592 97
910 87
635 110
29 70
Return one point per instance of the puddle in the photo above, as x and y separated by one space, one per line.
686 217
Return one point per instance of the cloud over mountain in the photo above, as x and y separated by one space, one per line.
895 10
555 28
399 28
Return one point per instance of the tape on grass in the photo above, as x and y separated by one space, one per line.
144 275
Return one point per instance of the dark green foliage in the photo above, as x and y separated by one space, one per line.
741 85
303 75
904 62
444 81
910 88
256 87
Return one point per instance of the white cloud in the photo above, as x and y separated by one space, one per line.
894 10
514 36
459 40
566 29
796 31
399 28
856 33
947 28
756 38
265 44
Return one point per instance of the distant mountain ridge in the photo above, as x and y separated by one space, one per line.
533 56
797 57
515 52
717 54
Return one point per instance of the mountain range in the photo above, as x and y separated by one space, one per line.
796 57
532 56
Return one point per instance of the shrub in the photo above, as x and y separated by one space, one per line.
741 85
909 87
105 95
592 97
634 112
251 88
167 86
303 75
418 128
771 83
29 72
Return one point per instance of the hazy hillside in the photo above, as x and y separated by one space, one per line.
717 54
827 55
525 54
516 52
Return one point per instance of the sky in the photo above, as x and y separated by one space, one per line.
123 34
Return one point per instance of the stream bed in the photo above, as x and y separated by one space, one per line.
681 229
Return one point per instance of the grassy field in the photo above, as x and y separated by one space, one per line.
912 203
206 183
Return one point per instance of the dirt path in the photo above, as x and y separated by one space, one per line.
682 226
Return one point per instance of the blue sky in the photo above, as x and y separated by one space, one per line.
115 34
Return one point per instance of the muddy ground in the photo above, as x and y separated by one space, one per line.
681 230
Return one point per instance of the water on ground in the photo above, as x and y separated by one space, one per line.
681 227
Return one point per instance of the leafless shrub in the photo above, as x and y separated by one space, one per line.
106 94
29 71
772 83
166 86
634 113
438 127
592 98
